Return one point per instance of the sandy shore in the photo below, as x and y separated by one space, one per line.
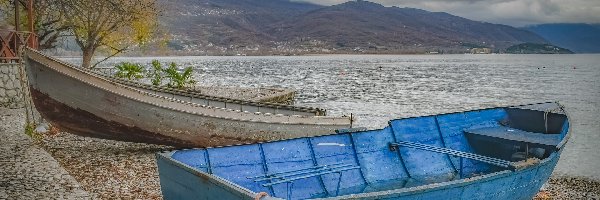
112 169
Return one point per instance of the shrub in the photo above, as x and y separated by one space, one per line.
156 74
179 79
30 131
129 70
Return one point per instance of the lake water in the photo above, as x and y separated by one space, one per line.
377 88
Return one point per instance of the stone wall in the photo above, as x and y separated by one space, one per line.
10 86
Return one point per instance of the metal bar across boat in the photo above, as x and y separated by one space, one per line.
308 176
301 172
490 160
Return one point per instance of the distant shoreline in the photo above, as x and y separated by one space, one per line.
306 55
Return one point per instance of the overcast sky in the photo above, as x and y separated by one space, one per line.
511 12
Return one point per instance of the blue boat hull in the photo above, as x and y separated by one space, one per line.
178 182
467 155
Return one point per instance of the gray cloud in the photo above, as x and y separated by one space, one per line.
510 12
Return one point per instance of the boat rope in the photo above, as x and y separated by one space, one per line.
26 95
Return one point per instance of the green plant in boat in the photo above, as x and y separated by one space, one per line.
129 71
179 79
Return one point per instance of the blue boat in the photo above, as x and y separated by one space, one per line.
496 153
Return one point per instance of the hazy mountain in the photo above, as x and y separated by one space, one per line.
361 23
221 23
580 38
282 26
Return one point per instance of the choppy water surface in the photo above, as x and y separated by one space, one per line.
377 88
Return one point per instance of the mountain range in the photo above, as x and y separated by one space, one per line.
267 27
580 38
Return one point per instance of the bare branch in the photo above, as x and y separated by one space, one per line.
117 51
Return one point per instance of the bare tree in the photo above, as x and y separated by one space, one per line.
111 25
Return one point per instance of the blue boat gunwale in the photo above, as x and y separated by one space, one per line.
167 156
558 146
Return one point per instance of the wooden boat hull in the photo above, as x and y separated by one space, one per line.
437 159
77 101
87 124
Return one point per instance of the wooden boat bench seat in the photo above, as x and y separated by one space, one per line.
513 134
461 154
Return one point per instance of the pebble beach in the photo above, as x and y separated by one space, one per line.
60 165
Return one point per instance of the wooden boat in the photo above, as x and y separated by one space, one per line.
88 103
496 153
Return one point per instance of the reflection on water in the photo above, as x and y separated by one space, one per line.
377 88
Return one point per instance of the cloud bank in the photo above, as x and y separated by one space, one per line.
510 12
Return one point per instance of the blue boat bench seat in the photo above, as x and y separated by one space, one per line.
289 177
513 134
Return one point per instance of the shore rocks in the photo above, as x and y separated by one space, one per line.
108 169
42 128
564 187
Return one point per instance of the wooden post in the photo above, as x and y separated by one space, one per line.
16 37
32 41
16 16
351 120
30 15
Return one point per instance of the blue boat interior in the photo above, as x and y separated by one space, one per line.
409 152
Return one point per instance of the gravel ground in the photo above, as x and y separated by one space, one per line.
563 187
26 170
108 169
122 170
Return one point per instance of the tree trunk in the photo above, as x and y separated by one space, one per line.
88 54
